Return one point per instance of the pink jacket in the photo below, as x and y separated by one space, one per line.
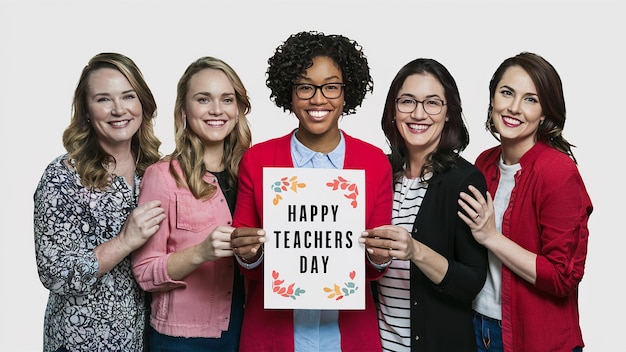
547 215
272 330
198 305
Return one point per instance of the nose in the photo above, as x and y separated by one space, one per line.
318 97
118 107
419 112
216 108
515 106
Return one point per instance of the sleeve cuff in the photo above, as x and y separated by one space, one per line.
379 266
250 265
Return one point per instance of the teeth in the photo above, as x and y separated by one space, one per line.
215 123
318 113
511 121
119 123
415 126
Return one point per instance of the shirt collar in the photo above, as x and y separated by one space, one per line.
303 156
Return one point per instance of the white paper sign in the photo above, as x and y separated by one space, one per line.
313 219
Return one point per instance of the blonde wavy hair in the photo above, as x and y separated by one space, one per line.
189 151
80 139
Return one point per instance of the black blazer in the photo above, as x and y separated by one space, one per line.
441 315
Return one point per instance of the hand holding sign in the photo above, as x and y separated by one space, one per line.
386 242
246 243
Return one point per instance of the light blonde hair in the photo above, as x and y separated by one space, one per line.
189 151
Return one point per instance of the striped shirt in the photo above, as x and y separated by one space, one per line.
394 311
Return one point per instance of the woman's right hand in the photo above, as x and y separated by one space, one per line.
479 214
246 243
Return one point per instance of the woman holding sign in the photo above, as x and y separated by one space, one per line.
425 297
188 266
318 78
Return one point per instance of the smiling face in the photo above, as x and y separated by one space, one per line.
319 116
113 108
516 109
211 106
420 130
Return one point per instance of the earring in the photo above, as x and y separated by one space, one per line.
88 120
541 122
184 122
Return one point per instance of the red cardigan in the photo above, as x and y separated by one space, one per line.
547 215
272 329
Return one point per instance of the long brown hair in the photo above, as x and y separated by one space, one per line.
550 90
80 139
454 136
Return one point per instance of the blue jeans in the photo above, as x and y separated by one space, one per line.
488 333
163 343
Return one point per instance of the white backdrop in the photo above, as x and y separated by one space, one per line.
45 44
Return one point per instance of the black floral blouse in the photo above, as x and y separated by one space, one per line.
84 312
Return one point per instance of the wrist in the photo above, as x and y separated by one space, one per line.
378 261
251 262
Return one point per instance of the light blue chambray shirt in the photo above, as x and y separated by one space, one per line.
316 330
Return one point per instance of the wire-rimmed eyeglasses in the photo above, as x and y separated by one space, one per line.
431 106
329 90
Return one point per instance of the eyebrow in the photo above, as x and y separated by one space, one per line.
108 94
210 95
427 97
331 78
513 90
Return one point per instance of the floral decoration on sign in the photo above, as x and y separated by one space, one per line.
285 291
337 292
345 185
284 185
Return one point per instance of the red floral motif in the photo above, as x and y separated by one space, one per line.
288 291
352 190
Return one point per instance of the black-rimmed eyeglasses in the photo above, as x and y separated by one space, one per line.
329 90
431 106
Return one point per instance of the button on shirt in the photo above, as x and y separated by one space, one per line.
316 330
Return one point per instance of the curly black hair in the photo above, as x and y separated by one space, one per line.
294 56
